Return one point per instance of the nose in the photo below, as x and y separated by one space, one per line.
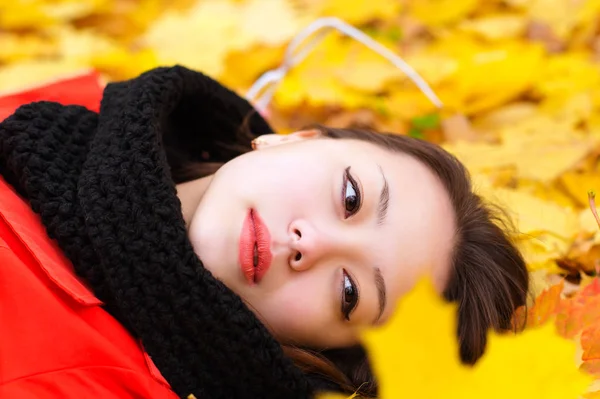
309 244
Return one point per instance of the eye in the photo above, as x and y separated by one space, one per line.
351 196
349 295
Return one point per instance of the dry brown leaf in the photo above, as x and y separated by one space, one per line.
458 128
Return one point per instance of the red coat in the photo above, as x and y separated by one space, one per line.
56 341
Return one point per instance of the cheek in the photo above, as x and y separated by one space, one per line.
295 315
300 312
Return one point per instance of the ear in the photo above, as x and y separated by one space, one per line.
270 140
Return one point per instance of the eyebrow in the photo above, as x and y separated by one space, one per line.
384 200
380 284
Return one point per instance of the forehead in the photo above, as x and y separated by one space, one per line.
419 235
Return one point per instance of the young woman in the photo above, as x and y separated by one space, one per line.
166 258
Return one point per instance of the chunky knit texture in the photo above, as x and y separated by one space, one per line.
102 185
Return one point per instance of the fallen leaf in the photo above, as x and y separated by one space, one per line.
242 67
504 117
562 16
21 75
538 147
577 185
546 305
20 47
543 33
538 363
357 12
566 74
581 311
236 25
458 128
591 349
513 65
496 27
438 12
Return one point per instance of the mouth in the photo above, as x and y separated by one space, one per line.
255 248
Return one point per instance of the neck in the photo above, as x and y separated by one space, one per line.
190 194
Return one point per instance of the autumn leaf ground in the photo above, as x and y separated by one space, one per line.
519 80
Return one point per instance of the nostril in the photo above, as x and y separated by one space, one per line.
298 256
297 232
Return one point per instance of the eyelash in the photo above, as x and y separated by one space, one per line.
347 311
350 192
357 194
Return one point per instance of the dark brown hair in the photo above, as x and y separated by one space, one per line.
488 279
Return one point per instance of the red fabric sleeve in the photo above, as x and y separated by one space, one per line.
83 383
82 89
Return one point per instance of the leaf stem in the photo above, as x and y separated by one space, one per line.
591 198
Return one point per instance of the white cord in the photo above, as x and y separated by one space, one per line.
263 89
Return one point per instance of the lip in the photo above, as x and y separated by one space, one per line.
255 235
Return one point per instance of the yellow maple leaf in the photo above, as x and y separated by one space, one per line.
357 12
82 45
89 48
565 74
121 64
544 228
13 15
415 355
21 75
243 67
541 251
375 71
327 77
541 148
513 65
532 215
19 47
496 27
588 222
33 14
466 65
204 35
434 67
408 103
547 192
505 116
563 16
438 12
579 184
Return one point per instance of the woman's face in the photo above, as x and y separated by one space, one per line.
350 228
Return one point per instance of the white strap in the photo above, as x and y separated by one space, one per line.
262 91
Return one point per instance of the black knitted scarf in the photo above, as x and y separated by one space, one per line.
102 184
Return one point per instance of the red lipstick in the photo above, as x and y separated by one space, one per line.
255 248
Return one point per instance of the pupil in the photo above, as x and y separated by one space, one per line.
348 291
350 202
